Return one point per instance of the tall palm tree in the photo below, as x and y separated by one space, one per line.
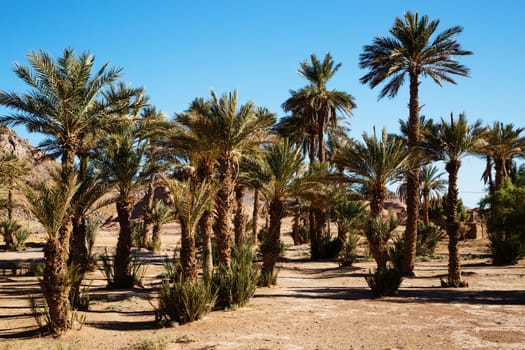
503 143
289 179
91 188
66 102
375 163
412 50
122 165
154 128
190 201
199 148
317 108
455 140
432 188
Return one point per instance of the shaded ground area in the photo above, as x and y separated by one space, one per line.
316 305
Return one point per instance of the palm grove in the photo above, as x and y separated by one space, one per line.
112 144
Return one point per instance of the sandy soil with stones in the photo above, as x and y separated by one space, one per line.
315 305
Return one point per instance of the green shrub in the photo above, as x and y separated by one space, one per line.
36 268
185 300
348 254
236 286
427 238
151 344
333 248
506 222
268 279
396 252
14 235
384 282
506 250
137 232
137 270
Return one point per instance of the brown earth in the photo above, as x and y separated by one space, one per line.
315 305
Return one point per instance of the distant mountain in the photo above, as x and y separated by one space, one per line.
37 159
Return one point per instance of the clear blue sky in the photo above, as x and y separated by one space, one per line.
179 50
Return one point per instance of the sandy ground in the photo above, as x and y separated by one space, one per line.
315 305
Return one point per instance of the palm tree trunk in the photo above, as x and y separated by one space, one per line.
239 221
147 219
187 252
10 202
295 227
499 165
123 279
78 257
272 243
155 237
454 269
205 227
223 209
255 216
55 281
409 249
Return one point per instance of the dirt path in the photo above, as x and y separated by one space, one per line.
316 305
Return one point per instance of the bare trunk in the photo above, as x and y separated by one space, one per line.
272 244
123 278
10 202
454 269
409 250
223 209
255 216
205 227
295 227
147 229
155 237
187 252
206 172
239 221
78 257
499 165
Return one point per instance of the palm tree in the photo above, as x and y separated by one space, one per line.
91 188
160 215
50 205
315 108
432 188
199 148
190 201
410 50
154 127
455 140
285 168
66 102
502 144
375 163
122 166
